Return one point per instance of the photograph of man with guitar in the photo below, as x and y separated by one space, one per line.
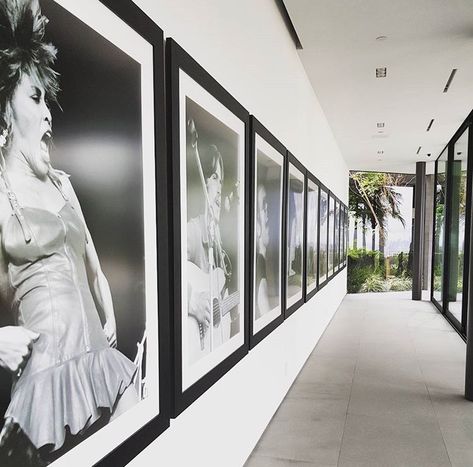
213 297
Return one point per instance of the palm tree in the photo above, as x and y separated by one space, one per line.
372 195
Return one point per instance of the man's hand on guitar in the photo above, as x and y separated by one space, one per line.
199 308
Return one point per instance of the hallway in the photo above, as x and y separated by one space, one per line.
383 387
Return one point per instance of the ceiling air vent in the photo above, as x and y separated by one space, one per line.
450 79
430 124
381 72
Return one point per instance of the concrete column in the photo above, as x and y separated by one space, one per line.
418 241
428 230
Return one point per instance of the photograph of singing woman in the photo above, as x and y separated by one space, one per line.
67 375
212 244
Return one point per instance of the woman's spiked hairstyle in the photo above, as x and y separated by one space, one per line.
23 51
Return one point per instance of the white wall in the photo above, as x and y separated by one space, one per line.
244 44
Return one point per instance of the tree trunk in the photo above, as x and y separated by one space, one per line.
382 241
364 233
355 234
373 236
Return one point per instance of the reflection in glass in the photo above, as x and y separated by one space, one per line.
439 226
457 226
323 212
267 233
295 235
331 234
312 219
343 233
336 252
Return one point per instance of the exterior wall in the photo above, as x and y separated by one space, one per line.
244 44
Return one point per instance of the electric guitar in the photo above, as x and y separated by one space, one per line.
203 340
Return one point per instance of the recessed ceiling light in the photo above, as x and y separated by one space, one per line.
381 38
381 72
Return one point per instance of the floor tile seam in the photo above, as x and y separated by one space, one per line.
432 404
282 458
360 330
331 321
298 374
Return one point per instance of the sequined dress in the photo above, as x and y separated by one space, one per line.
72 373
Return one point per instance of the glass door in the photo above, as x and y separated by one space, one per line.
455 292
440 198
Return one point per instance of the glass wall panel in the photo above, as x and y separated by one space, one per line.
439 226
457 196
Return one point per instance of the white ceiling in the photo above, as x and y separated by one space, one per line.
425 40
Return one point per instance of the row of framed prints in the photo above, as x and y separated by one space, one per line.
255 233
209 233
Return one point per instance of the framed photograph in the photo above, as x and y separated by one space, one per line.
344 242
323 236
209 145
312 236
336 250
331 235
88 284
345 247
295 266
342 236
268 158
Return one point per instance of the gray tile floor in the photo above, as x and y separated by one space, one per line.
383 387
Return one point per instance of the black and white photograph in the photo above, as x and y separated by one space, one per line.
269 157
345 244
323 236
343 234
295 234
209 153
79 350
312 259
331 235
336 249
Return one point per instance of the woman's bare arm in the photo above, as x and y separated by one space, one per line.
100 287
15 341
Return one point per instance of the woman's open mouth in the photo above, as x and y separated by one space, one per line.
46 141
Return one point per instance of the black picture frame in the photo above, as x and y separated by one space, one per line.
344 236
136 19
310 178
294 162
323 279
257 128
177 60
137 434
336 243
331 236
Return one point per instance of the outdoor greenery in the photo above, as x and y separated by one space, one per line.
367 271
372 201
374 283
